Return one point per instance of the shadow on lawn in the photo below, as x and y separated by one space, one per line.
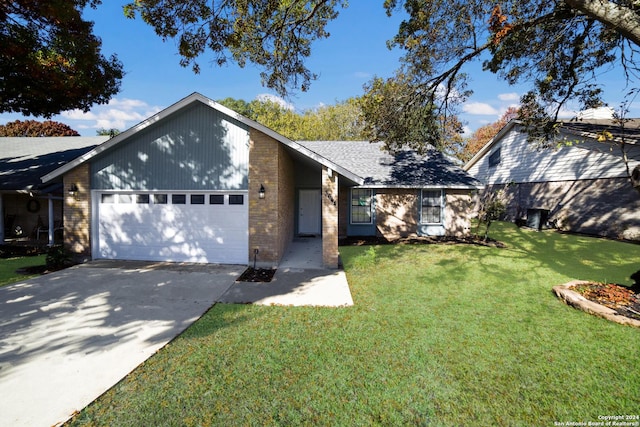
531 253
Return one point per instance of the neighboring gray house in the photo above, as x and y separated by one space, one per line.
581 187
29 208
198 182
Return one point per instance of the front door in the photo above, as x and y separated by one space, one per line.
310 212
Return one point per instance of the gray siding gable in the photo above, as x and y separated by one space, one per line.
522 162
195 148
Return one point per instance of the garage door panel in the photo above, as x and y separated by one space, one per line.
167 232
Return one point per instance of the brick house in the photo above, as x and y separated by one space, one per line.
198 182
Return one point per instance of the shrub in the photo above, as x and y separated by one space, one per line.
58 258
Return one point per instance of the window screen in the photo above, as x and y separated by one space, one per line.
431 206
494 158
361 205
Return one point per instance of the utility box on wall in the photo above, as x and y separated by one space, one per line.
537 218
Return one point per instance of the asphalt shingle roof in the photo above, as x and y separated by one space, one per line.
23 161
404 169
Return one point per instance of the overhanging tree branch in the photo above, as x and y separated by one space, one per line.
623 19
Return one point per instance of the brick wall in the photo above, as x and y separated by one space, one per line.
606 207
271 220
458 212
286 201
77 211
329 218
397 213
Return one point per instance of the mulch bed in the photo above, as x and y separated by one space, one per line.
257 275
620 298
422 240
12 251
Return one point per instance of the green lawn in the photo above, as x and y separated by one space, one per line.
8 267
441 335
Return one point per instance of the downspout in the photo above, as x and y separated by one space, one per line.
51 222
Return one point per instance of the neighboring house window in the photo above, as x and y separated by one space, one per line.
494 158
431 207
361 205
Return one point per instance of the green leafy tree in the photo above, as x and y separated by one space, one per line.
342 121
492 208
240 106
35 128
107 132
339 122
394 115
275 35
50 60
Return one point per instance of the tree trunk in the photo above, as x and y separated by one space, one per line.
621 18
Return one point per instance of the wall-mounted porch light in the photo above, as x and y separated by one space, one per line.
73 190
261 193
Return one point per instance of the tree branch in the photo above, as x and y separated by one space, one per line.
623 19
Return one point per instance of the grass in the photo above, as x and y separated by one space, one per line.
440 335
8 267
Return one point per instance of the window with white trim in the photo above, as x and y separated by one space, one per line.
494 158
361 199
431 207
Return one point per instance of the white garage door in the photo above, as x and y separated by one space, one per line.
178 227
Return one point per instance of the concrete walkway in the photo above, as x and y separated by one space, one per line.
300 280
67 337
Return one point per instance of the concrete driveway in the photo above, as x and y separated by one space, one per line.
67 337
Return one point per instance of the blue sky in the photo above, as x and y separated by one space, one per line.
355 52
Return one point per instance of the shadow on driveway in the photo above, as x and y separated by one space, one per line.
67 337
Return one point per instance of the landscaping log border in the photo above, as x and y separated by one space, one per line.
574 299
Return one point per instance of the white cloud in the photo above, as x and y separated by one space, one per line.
480 108
276 99
509 96
362 75
116 114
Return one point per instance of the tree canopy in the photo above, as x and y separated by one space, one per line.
36 128
339 122
483 134
559 48
50 60
275 35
